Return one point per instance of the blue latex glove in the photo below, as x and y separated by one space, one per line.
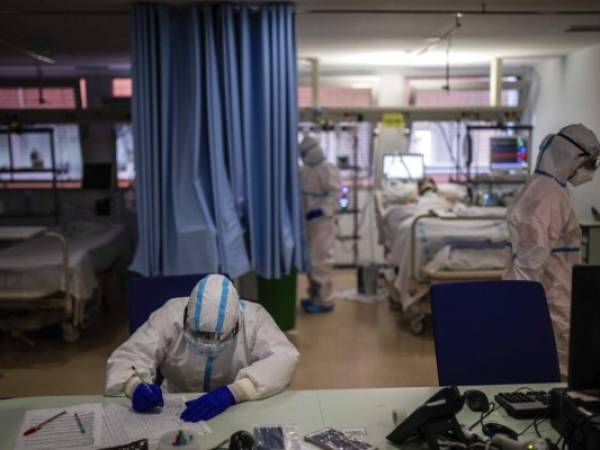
209 405
314 213
147 397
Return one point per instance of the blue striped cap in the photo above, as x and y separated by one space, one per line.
213 306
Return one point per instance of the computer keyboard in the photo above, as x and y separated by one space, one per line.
525 405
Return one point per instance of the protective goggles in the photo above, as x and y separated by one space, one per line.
592 163
210 337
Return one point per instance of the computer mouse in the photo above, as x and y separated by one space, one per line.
490 429
241 440
476 400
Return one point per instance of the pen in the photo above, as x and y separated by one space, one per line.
79 423
39 427
137 374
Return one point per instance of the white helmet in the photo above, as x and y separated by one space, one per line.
570 155
213 313
311 151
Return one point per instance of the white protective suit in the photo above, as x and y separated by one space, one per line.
544 228
257 362
321 185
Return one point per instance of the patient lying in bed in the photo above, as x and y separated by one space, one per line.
440 244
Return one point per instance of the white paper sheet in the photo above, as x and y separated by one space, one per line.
123 425
64 431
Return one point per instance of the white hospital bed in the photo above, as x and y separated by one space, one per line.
435 240
53 277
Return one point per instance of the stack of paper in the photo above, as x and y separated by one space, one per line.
122 425
110 426
63 432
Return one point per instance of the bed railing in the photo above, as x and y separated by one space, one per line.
431 215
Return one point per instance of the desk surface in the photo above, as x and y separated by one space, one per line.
370 409
589 223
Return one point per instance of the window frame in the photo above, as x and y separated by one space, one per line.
364 174
72 83
480 83
54 182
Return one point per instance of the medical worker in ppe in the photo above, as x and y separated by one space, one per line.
211 342
320 190
545 237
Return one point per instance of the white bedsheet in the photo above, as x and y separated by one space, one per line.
36 264
467 259
434 234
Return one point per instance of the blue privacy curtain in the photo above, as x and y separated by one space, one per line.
215 126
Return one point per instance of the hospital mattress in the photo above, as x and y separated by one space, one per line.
475 244
34 268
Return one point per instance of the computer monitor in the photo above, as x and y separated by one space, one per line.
97 176
408 166
508 153
584 354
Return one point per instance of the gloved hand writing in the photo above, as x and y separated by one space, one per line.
209 405
146 397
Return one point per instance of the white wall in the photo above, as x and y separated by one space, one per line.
569 92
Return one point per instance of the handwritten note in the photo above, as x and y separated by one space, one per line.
63 432
123 425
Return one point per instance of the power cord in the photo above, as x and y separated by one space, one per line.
484 415
220 445
524 388
573 433
535 424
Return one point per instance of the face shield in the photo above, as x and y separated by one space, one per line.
208 342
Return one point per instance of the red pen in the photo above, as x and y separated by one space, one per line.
39 427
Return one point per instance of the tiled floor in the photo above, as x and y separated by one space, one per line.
358 345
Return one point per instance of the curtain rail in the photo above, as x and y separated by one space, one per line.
301 10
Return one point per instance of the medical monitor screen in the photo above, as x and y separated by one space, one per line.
508 153
403 167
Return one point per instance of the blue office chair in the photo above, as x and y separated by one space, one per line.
493 332
147 294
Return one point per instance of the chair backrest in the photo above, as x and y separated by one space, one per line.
493 332
147 294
